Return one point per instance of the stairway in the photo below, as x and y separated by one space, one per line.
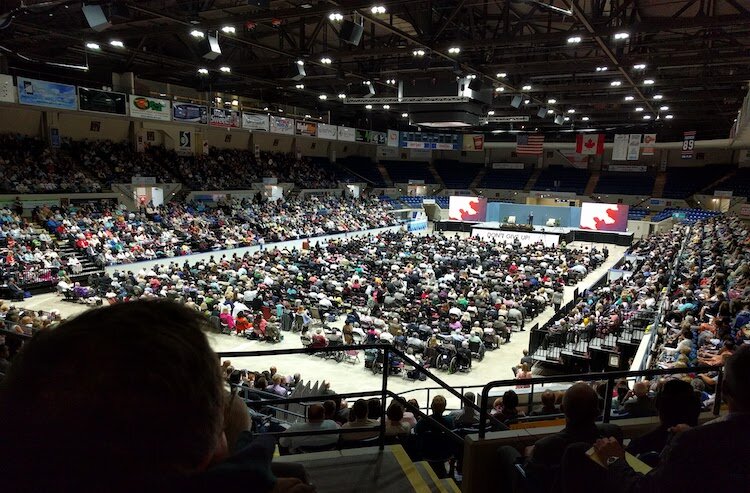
436 175
659 182
478 179
384 173
591 184
532 180
369 470
65 249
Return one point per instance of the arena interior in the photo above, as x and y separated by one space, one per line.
340 246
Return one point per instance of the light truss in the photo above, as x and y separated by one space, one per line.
409 100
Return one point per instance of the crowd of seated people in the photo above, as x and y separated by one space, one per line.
113 235
708 316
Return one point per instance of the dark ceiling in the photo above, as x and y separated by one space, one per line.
696 52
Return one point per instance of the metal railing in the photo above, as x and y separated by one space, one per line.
608 377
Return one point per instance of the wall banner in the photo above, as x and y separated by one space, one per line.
255 122
43 93
346 134
329 132
115 103
281 125
392 138
7 89
150 108
190 113
688 144
308 129
219 117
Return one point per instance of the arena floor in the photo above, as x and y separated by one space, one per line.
345 377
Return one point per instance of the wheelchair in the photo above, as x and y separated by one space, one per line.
461 361
477 350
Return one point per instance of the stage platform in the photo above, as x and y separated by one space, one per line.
549 235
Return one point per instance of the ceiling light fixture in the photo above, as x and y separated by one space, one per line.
93 46
368 106
615 83
502 75
567 118
499 89
203 71
228 30
366 82
386 106
323 97
471 76
326 60
225 69
629 98
491 112
602 69
335 16
526 87
585 119
664 108
622 35
550 112
300 86
454 50
117 44
551 101
571 111
526 101
235 102
301 63
404 115
657 97
342 95
669 117
574 40
419 52
638 109
378 9
646 117
197 34
639 66
649 82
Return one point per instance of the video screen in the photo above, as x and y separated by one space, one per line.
467 208
604 217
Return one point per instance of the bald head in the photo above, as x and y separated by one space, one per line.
580 404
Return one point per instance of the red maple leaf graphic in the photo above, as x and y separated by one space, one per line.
590 143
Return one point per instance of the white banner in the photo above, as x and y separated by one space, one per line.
281 125
634 147
185 146
548 240
150 108
508 166
326 131
255 122
620 147
392 138
346 134
7 90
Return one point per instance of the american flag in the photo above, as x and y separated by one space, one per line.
530 144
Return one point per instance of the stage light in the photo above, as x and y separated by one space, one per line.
649 82
225 69
93 46
335 16
197 34
551 101
526 87
117 44
203 71
368 106
228 30
622 35
615 83
574 40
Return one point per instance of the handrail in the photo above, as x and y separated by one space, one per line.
610 377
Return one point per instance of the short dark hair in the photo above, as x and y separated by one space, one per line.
548 398
736 386
510 399
395 412
359 409
130 392
678 403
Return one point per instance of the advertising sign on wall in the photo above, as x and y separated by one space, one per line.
473 142
604 217
102 101
185 146
392 138
308 129
255 122
190 113
379 138
346 134
219 117
329 132
7 90
51 94
281 125
648 144
150 108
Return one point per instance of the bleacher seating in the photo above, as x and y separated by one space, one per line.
739 183
637 213
456 175
364 167
442 201
684 182
563 179
508 179
691 215
403 171
625 183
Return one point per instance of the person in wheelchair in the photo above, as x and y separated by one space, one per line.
476 345
318 340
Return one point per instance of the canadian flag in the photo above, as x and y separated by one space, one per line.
590 144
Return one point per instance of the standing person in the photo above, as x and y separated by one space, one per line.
531 218
557 298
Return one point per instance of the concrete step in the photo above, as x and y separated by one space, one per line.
450 485
428 475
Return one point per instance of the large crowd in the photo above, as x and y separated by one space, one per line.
29 165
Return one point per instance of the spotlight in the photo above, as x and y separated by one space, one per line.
368 106
342 95
323 97
404 115
386 106
526 87
197 34
225 69
622 35
335 16
649 82
669 117
378 9
300 86
658 97
326 61
638 109
499 89
203 71
454 50
418 53
502 75
629 98
571 111
93 46
491 112
228 30
615 83
639 66
664 108
574 40
551 101
117 44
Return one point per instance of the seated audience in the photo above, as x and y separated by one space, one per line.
548 406
316 421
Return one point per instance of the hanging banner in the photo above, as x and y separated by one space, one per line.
281 125
688 144
392 138
379 138
634 147
326 131
648 144
219 117
346 134
7 89
102 101
620 147
473 142
185 146
51 94
255 122
150 108
190 113
307 129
